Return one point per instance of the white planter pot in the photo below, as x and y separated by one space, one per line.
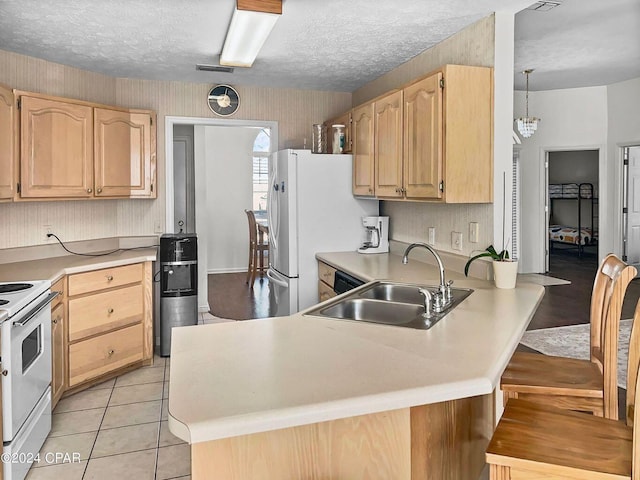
505 274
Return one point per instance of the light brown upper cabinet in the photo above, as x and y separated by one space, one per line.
56 149
363 148
388 145
467 151
70 149
7 145
423 138
124 160
432 140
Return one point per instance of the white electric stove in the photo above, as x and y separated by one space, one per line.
26 372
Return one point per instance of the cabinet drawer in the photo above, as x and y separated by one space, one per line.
57 287
107 278
105 311
325 292
94 357
326 273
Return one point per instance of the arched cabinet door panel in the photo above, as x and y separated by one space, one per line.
56 149
124 158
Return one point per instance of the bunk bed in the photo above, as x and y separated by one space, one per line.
584 231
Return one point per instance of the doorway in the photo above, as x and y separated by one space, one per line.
631 205
572 207
204 189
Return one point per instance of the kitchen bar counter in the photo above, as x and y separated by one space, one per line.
254 376
56 267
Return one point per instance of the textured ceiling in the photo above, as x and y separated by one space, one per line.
581 43
325 45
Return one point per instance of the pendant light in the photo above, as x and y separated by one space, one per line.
527 125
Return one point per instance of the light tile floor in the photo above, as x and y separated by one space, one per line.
117 429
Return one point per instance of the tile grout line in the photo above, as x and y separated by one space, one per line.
99 428
155 468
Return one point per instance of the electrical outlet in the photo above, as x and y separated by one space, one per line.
456 240
47 230
432 236
474 232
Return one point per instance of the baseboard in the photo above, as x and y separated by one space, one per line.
214 271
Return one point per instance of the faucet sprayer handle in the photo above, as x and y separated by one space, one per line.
427 301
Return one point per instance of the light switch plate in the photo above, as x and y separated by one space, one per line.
432 236
456 240
474 229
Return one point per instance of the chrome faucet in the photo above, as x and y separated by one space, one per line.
443 297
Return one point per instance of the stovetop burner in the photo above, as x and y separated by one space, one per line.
14 287
3 302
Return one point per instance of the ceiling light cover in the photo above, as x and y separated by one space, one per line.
527 125
247 33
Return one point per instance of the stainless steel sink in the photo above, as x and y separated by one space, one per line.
367 310
393 292
389 303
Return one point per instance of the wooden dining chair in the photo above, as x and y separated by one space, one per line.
535 441
257 250
582 385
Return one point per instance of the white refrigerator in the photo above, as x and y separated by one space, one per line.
311 209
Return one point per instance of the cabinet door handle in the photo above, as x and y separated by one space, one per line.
111 352
5 372
109 278
99 190
55 320
110 311
89 190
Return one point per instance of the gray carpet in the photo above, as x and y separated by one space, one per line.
573 342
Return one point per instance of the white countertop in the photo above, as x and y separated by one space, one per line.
54 268
245 377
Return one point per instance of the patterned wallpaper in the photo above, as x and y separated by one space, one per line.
294 110
410 220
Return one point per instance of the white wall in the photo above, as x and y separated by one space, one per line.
623 106
572 119
229 191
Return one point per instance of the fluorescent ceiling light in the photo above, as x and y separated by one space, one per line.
247 33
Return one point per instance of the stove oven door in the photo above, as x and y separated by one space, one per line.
26 362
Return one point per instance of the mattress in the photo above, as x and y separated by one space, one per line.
565 234
570 190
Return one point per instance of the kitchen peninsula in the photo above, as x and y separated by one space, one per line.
303 397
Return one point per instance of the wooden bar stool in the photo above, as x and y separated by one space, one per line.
583 385
257 250
535 441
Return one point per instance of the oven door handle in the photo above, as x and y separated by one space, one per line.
37 309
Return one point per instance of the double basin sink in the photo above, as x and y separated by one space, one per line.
389 303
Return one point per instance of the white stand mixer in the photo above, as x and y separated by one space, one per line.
377 235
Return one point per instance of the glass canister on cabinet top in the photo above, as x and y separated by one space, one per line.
337 136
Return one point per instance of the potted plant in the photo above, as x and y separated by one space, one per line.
505 270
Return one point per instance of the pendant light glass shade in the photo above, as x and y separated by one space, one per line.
527 125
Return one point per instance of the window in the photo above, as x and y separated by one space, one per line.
261 149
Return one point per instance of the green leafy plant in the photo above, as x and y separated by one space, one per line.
503 256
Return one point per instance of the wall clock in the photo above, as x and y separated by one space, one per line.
223 100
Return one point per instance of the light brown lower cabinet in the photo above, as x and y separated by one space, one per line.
108 328
326 277
57 354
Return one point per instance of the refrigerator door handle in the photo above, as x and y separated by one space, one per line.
272 276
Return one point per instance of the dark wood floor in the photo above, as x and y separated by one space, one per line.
231 297
569 304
